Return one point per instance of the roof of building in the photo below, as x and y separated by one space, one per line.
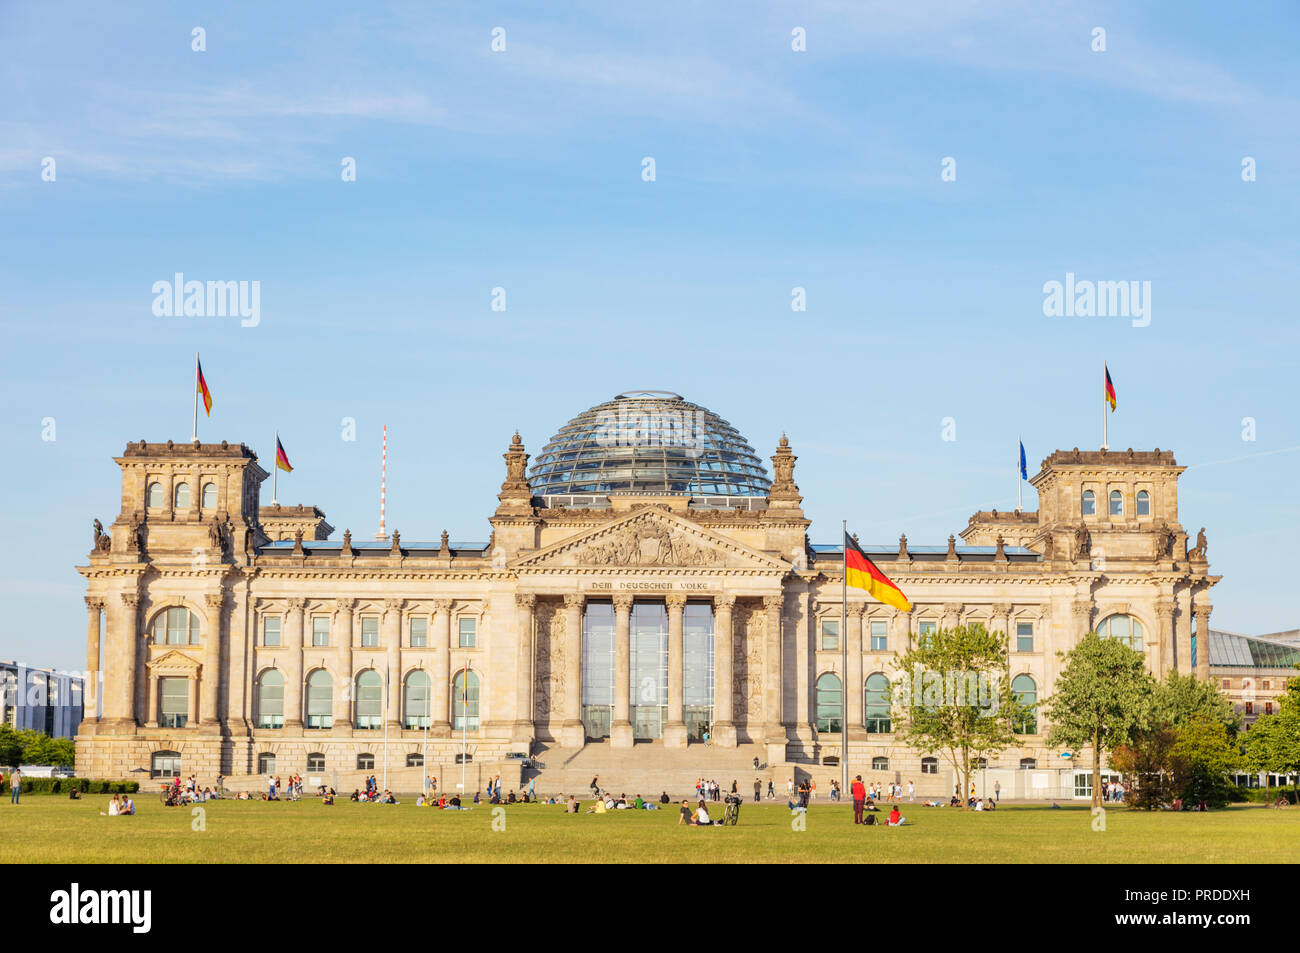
648 442
1231 650
372 547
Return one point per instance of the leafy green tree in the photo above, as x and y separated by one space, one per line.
1102 699
25 746
956 697
1203 757
1181 699
1147 761
11 746
1272 744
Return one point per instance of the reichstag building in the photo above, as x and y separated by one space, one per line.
649 578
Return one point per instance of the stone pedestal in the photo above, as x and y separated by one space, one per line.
620 735
675 735
724 734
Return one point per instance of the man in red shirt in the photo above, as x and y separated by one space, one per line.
859 793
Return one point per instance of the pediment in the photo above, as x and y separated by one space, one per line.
174 663
650 539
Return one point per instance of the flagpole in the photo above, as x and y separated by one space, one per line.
275 469
194 431
844 656
1104 374
1020 480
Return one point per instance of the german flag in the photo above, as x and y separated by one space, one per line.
861 573
1110 389
282 458
202 386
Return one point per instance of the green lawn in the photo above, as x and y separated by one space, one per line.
54 829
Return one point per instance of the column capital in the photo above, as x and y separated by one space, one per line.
675 601
623 602
394 605
856 609
345 604
94 603
724 600
1202 608
1164 608
574 600
1002 608
214 600
130 599
525 600
296 604
1081 610
442 605
773 602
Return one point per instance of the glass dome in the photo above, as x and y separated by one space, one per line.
652 442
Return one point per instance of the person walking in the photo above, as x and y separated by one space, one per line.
595 786
911 791
859 792
771 790
758 790
15 784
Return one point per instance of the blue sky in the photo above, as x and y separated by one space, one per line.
521 169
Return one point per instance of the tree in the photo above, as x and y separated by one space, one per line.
1102 699
26 746
1202 758
1181 699
956 696
1272 744
1147 761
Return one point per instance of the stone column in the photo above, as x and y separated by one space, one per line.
152 701
803 651
209 685
900 636
523 726
191 702
773 729
1183 631
573 734
1202 611
90 692
126 711
675 730
440 704
240 669
852 683
1002 623
621 735
724 725
293 638
344 609
1163 657
1082 614
392 639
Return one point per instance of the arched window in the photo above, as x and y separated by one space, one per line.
176 626
165 764
365 762
879 764
415 701
464 701
415 760
829 707
1116 503
320 699
370 700
268 700
876 704
182 496
266 763
1089 505
209 496
1028 764
929 765
155 498
1144 503
1026 692
315 761
1125 628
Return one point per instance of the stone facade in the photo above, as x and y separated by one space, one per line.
403 610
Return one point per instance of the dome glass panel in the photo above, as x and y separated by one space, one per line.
652 442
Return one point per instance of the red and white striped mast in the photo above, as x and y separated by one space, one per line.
383 485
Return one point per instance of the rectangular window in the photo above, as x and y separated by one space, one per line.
271 631
830 634
173 702
1024 636
697 666
1227 683
1250 708
369 632
926 630
1266 683
597 668
468 630
879 636
1268 708
419 633
320 630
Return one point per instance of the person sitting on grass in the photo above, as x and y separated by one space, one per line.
702 817
114 808
128 806
870 805
684 816
895 818
327 797
990 805
74 794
